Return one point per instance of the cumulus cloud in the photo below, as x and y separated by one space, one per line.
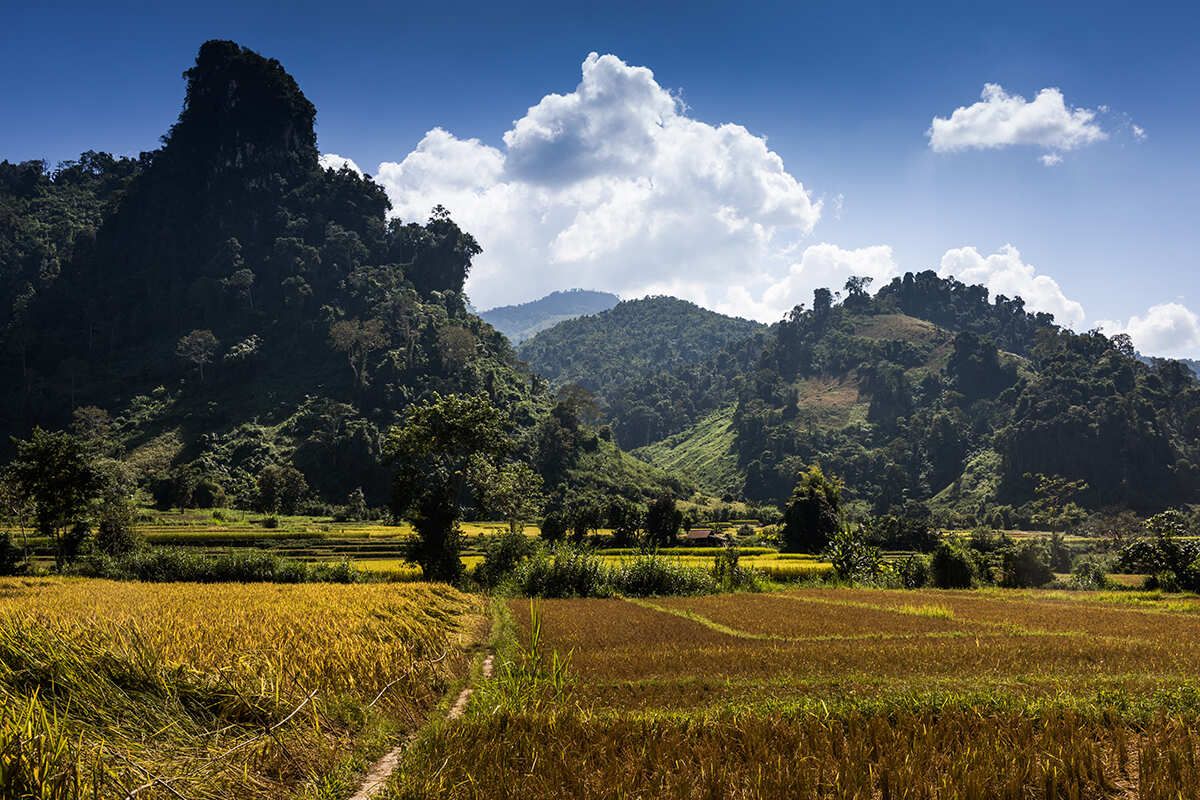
335 162
1004 272
613 186
1169 330
820 266
1001 119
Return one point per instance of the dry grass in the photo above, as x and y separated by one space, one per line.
208 691
830 693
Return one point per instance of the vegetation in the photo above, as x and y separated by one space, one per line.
213 692
635 360
244 319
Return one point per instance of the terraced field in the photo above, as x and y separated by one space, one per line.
838 693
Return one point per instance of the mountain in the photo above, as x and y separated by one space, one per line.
223 304
654 365
929 391
520 322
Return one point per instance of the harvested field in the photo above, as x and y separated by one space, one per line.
835 693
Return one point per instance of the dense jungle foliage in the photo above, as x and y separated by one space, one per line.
928 391
223 307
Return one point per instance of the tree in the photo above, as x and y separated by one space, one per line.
358 339
116 511
435 453
663 520
281 487
356 505
57 475
1026 565
625 517
813 514
512 490
197 348
952 566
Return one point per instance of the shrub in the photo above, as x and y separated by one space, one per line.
952 566
564 571
914 572
501 555
651 575
12 560
1026 565
1089 574
729 575
170 564
270 522
852 558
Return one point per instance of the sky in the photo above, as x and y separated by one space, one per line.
737 155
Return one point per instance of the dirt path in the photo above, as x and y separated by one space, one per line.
377 777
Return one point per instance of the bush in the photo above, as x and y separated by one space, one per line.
852 558
914 572
562 572
12 560
729 575
270 522
952 566
170 564
652 575
1026 565
1089 574
501 555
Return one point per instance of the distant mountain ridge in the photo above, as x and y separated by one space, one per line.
524 320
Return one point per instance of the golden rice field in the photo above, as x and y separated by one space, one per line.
112 690
837 693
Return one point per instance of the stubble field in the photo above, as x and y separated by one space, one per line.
839 693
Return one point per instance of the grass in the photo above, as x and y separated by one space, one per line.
254 690
703 453
842 693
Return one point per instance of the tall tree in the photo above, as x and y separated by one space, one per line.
58 476
198 348
813 513
437 453
358 339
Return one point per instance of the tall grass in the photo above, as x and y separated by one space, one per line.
255 690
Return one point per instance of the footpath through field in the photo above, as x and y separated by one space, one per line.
376 779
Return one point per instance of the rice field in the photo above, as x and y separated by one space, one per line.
112 690
838 693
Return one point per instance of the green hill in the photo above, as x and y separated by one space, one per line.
655 365
932 392
522 321
223 304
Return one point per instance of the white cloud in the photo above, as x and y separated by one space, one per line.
612 186
1051 159
1139 132
1169 330
1001 119
1003 272
821 266
335 162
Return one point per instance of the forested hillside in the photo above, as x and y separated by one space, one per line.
223 305
521 321
928 391
655 365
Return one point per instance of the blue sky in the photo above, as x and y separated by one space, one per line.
629 183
